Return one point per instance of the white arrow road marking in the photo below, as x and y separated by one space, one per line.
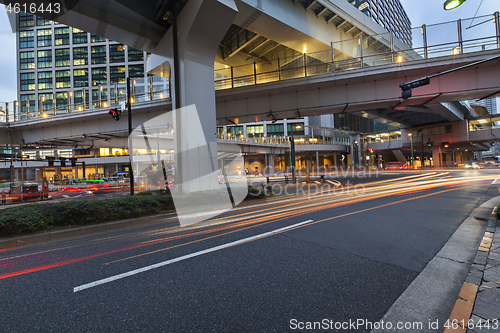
192 255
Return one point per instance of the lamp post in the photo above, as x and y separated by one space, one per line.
293 151
22 175
411 140
452 4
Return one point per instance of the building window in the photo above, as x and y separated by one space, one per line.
98 55
26 39
26 20
79 98
97 39
61 100
117 74
47 101
44 37
364 6
136 71
62 57
42 21
255 131
27 103
234 130
116 53
61 36
99 76
79 36
27 81
45 80
80 56
80 78
44 59
63 79
27 60
275 130
135 55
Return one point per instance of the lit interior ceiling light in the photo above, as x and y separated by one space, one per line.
452 4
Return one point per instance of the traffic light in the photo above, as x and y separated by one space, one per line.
408 86
370 150
429 143
115 113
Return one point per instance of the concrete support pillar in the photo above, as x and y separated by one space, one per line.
194 89
480 156
317 161
436 158
266 165
271 164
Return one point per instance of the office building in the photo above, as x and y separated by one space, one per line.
390 14
63 69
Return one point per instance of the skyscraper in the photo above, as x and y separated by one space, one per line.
390 14
61 69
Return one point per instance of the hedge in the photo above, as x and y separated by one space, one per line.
48 216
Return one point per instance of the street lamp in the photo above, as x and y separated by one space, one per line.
293 151
452 4
411 140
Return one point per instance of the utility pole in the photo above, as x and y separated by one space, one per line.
130 150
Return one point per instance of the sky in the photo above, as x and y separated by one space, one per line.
419 11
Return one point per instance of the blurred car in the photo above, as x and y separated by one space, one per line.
87 193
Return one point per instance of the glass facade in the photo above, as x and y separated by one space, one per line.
79 36
45 80
44 37
81 78
117 74
62 57
26 20
80 56
27 60
136 71
61 36
99 76
27 81
116 53
63 79
44 59
26 39
98 55
135 55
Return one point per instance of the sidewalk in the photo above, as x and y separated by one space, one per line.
477 308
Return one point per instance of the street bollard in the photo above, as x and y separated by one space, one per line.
286 180
267 180
322 179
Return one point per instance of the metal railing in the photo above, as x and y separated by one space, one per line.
284 140
80 100
429 41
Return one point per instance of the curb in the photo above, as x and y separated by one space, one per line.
461 312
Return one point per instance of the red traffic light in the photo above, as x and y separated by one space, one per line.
115 113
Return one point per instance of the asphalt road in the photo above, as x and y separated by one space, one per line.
266 268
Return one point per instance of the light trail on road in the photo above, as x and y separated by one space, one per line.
244 218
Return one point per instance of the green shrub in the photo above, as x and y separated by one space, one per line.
34 217
497 212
